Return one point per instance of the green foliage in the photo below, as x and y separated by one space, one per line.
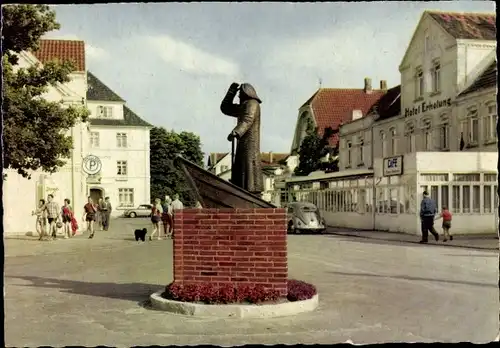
313 148
166 178
34 129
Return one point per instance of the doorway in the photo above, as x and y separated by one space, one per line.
95 194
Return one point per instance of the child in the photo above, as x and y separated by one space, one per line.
446 216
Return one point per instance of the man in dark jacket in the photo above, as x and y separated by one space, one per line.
428 211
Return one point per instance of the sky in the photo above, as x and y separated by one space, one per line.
173 62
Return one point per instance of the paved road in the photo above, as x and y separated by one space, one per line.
93 292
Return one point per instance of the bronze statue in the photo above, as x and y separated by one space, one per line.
246 171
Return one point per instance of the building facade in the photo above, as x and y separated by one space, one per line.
434 132
21 195
119 139
73 181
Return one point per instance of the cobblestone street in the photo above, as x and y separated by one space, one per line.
94 292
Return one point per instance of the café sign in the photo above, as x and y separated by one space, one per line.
393 166
426 106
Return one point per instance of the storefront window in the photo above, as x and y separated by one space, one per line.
466 199
456 199
487 199
476 199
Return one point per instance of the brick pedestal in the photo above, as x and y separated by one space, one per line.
237 246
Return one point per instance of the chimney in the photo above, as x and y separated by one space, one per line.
357 114
270 157
383 85
368 85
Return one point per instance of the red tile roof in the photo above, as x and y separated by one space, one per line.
265 157
63 50
333 106
472 26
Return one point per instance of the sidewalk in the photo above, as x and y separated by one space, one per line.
486 242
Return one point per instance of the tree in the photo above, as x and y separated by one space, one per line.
166 177
27 117
313 148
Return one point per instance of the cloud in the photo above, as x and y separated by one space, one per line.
189 58
96 53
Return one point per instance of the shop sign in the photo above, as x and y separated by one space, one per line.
426 106
393 166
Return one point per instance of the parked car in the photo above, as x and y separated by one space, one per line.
304 217
144 210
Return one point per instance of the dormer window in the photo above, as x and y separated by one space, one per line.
436 76
104 111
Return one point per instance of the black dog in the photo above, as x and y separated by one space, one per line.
141 234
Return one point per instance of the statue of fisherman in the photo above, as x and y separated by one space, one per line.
246 171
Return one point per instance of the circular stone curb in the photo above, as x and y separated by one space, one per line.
233 311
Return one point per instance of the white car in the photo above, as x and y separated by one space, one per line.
144 210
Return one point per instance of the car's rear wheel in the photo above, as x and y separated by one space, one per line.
133 215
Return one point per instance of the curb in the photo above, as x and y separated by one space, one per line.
413 242
233 311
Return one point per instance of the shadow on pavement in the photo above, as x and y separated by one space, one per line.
472 255
483 285
137 292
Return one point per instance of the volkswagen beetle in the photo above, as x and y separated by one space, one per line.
304 217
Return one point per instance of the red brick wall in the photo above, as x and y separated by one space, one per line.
239 246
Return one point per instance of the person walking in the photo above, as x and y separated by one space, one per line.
446 216
167 217
53 213
156 213
100 213
428 212
176 205
67 217
41 220
89 215
106 213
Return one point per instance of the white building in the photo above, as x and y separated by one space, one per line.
434 132
120 140
21 195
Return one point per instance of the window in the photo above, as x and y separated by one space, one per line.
121 139
466 199
94 139
473 135
435 193
349 146
490 123
434 177
104 111
394 141
490 177
224 168
427 43
361 150
410 138
419 83
456 199
121 168
444 197
125 197
436 76
444 132
476 199
487 193
384 145
467 177
427 132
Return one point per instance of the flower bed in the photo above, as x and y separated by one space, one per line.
231 294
